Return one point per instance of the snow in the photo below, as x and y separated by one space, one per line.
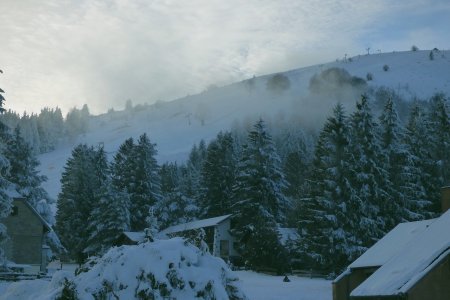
175 126
195 225
256 286
12 193
391 244
409 265
287 234
162 268
267 287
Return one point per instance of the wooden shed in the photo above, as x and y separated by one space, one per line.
218 237
26 231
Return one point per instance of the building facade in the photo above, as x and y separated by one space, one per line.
26 233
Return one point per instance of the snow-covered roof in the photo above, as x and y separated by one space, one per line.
195 225
135 236
287 234
391 244
12 193
414 260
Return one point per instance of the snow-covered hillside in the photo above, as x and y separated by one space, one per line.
175 126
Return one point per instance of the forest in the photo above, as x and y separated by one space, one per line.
342 187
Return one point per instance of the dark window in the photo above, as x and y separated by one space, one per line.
15 211
224 248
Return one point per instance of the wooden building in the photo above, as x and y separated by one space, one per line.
26 232
218 237
411 262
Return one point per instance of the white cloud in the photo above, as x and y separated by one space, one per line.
66 53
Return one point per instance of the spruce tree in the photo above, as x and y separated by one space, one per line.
123 167
418 140
175 207
329 215
369 180
23 172
192 172
79 185
218 176
109 216
405 188
5 200
438 122
146 190
259 203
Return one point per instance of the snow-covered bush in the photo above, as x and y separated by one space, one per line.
163 269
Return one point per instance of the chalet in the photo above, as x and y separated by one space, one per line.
220 242
26 231
411 262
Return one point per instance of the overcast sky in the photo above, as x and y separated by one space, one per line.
69 52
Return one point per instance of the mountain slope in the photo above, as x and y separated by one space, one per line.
175 126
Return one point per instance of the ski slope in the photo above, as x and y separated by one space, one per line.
176 125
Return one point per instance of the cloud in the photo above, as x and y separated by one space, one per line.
66 52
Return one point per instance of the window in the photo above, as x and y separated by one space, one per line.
224 248
15 211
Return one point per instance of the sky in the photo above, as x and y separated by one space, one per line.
65 53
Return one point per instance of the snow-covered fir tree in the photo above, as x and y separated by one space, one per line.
370 180
24 174
218 176
296 150
146 188
5 200
329 215
175 207
438 122
417 141
123 167
259 203
407 194
79 186
110 210
191 181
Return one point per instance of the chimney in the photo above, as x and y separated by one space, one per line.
445 198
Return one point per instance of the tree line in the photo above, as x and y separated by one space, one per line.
45 130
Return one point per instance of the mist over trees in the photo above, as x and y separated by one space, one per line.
43 131
342 189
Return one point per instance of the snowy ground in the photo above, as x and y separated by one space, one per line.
263 287
266 287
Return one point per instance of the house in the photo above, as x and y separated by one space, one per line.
220 242
26 231
411 262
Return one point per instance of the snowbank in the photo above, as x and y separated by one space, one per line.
165 268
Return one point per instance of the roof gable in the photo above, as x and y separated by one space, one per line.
195 225
414 260
135 236
33 210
